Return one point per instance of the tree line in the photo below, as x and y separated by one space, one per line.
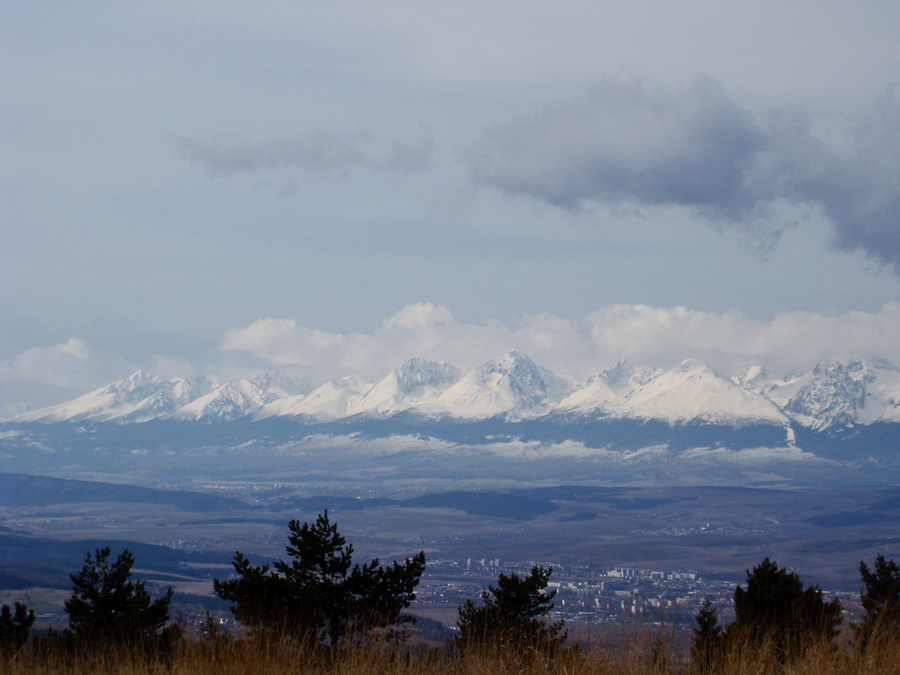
318 597
774 611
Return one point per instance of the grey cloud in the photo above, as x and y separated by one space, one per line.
322 151
623 142
696 148
863 199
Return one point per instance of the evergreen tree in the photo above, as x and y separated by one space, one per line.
880 598
706 641
319 595
15 626
774 608
512 615
106 605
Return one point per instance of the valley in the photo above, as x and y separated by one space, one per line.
185 538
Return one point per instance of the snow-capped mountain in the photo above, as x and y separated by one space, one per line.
508 418
168 399
333 400
603 394
624 377
511 389
836 396
694 392
596 397
142 397
510 385
753 378
276 386
234 400
414 384
136 398
690 393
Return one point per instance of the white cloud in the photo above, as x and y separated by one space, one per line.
642 334
421 329
418 315
63 365
283 342
791 340
45 375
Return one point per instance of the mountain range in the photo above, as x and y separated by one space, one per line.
833 397
507 419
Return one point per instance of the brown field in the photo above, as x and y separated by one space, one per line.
638 654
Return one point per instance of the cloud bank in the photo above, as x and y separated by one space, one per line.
639 333
696 148
644 335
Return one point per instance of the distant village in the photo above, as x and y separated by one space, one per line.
588 595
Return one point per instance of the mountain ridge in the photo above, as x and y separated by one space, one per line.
832 397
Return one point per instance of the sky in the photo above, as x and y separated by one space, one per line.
332 188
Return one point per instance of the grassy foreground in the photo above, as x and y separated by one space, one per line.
246 657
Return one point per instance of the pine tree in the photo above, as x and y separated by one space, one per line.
775 609
15 626
106 605
707 640
512 615
880 599
320 595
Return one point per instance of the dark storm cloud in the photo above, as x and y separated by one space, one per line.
322 151
862 196
622 142
698 149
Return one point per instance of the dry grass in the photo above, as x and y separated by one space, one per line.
246 657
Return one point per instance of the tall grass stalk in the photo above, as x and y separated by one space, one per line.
270 656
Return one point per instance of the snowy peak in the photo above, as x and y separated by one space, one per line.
275 386
837 396
417 375
511 385
624 377
831 397
828 399
882 396
414 383
223 403
244 397
141 397
331 401
693 391
596 397
118 399
753 378
134 384
603 394
231 401
184 390
520 374
169 396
